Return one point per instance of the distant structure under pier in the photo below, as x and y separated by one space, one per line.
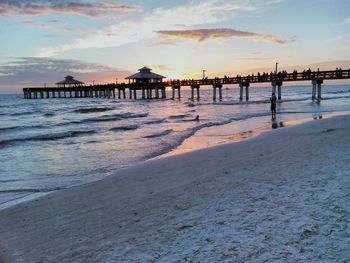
150 85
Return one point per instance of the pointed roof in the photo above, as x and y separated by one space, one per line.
69 80
145 69
145 73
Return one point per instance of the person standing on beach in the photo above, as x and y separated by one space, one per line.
273 100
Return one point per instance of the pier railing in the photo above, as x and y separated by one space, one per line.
266 77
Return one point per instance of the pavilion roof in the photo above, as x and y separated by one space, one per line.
145 73
70 80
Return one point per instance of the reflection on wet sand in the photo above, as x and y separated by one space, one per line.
275 125
204 141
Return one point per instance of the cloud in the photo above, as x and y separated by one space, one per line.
41 7
257 58
219 33
163 67
36 71
194 13
46 24
334 39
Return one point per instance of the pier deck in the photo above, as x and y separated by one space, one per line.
108 90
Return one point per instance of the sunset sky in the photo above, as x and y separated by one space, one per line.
43 41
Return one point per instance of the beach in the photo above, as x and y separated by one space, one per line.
281 196
52 145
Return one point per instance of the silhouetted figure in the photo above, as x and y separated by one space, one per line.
197 118
273 100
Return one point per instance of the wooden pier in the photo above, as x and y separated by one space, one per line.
157 90
69 92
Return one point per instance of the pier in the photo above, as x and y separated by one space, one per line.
107 91
152 86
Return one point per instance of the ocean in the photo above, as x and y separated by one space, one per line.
52 144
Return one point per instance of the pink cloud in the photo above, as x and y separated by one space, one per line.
219 33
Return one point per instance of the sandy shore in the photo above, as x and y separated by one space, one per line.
282 196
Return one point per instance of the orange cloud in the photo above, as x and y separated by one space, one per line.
217 33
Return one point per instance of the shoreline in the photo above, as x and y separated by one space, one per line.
188 145
279 196
194 144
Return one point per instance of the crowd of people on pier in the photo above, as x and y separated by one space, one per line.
252 78
263 77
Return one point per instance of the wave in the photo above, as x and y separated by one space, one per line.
92 142
33 190
337 92
67 123
24 113
155 121
160 134
125 128
8 181
12 128
49 114
190 104
304 112
181 116
9 128
91 110
48 137
116 117
191 131
249 102
105 118
335 98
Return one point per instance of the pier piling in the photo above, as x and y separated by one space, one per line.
219 87
178 88
314 83
195 87
241 86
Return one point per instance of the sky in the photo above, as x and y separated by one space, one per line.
105 41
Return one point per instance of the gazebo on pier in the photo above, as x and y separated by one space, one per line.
145 76
69 82
147 82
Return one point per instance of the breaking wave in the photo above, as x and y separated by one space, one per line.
48 137
116 117
13 128
156 121
179 116
91 110
125 128
160 134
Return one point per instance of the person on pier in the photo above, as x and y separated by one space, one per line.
273 100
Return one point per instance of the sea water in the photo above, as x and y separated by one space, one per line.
52 144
